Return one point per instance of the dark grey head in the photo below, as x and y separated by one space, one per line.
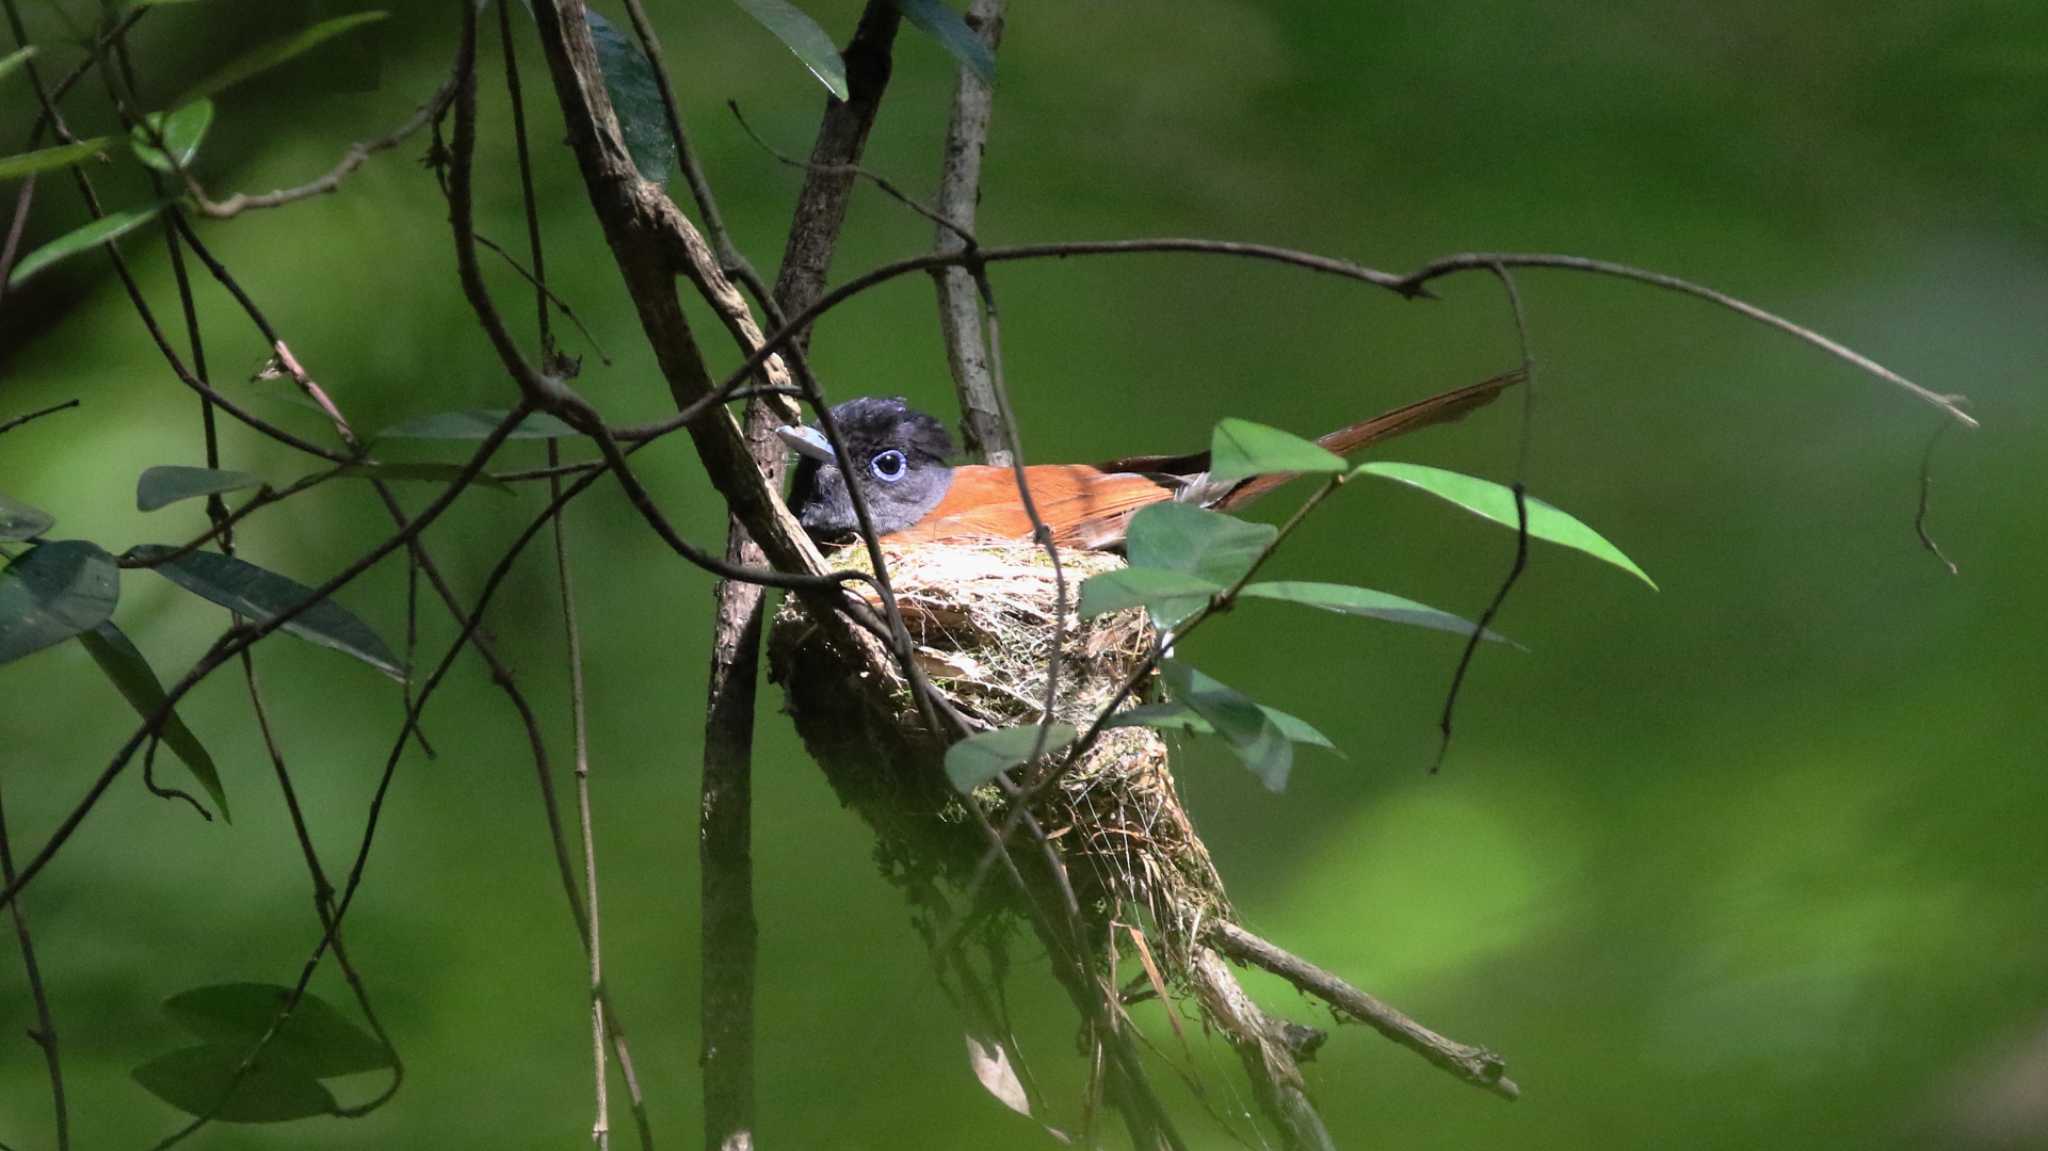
898 453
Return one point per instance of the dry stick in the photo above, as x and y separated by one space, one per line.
45 1033
11 424
983 423
600 1128
1521 489
1475 1065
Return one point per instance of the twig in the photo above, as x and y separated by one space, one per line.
15 422
547 294
1926 491
45 1032
982 422
1475 1065
881 182
1525 435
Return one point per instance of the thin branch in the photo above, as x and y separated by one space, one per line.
1926 493
45 1033
1475 1065
15 422
983 424
882 183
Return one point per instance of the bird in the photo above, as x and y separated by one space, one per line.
914 495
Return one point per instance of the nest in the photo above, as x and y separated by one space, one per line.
981 617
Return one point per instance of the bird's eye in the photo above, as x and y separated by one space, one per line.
888 466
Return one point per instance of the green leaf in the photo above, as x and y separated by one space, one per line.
1244 725
44 159
1195 541
1366 602
1169 594
425 472
636 97
269 55
943 24
979 758
195 1080
19 521
1492 501
163 486
130 672
241 586
182 131
801 35
1240 449
52 592
1180 717
15 59
317 1039
104 230
476 424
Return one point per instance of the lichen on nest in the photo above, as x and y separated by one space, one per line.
980 615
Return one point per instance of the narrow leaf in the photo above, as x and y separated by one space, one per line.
943 24
316 1039
1366 602
163 486
636 97
241 586
181 130
44 159
1168 593
52 592
130 672
1492 501
1179 717
266 56
104 230
425 472
1249 731
20 521
1240 449
16 59
1195 541
196 1080
476 424
991 1064
979 758
801 35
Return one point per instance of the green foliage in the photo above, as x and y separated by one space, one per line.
636 97
181 131
1194 541
16 59
104 230
130 672
241 586
20 521
1250 732
44 159
802 35
1365 602
477 424
165 485
52 592
981 757
317 1038
1494 502
269 55
1177 716
1241 449
201 1081
943 24
1168 594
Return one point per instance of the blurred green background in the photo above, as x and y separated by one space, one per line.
1756 861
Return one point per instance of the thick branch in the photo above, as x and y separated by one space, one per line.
981 410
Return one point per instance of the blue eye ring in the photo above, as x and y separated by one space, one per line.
889 466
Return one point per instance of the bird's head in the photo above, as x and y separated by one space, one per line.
898 453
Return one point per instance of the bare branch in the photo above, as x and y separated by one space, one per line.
982 422
45 1032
